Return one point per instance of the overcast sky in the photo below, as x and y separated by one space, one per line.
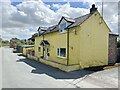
21 19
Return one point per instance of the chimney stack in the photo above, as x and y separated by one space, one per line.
93 9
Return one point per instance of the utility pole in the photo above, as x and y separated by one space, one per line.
102 8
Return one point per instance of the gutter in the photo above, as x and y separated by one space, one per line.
43 46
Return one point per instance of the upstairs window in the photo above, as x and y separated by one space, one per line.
62 27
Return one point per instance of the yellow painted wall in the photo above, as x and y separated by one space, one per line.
37 44
24 51
27 48
60 66
56 40
93 42
74 45
89 46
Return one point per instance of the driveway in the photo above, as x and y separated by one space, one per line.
20 72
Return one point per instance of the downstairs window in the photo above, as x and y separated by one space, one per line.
61 52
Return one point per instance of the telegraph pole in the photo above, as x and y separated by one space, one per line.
102 8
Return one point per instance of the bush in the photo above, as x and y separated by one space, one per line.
118 44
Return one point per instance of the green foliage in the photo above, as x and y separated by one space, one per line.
0 42
23 42
19 44
118 44
4 42
0 39
30 42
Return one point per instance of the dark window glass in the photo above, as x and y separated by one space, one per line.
39 49
63 52
62 27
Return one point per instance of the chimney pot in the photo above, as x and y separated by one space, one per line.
93 9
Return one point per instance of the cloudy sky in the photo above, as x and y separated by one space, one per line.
21 18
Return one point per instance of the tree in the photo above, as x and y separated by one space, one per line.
5 42
30 42
118 44
0 42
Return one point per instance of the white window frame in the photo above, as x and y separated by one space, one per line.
58 53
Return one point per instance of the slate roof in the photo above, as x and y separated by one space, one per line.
44 42
79 20
52 29
74 22
68 19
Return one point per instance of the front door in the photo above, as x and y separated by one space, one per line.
46 53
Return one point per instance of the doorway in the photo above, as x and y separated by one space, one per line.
46 52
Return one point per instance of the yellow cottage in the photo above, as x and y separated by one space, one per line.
74 43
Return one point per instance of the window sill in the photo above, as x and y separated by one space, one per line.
61 57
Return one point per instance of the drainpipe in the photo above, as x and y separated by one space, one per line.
68 46
43 46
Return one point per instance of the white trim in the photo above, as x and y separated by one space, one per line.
61 57
58 54
63 31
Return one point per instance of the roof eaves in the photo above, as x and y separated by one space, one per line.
68 20
113 34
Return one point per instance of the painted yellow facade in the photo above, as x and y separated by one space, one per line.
27 48
86 46
90 45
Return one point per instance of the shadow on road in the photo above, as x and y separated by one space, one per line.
53 72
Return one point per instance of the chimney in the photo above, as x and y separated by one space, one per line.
93 9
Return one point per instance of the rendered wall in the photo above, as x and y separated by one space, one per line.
56 40
25 50
93 42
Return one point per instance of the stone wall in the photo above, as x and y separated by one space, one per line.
112 57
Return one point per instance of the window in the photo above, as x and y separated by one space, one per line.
62 27
61 52
39 49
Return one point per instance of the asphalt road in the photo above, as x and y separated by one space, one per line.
20 72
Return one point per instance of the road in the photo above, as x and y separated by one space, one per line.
20 72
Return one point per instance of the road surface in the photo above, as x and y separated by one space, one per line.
20 72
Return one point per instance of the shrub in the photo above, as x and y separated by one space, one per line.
118 44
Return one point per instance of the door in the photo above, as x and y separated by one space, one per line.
46 53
